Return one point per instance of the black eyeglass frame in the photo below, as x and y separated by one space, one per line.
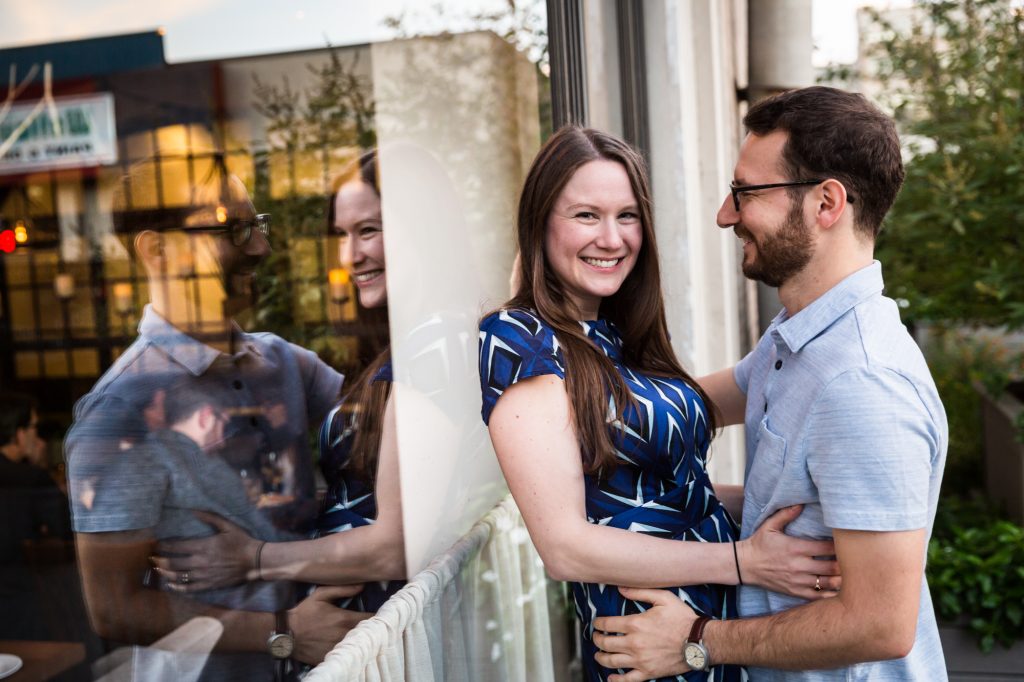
738 189
239 229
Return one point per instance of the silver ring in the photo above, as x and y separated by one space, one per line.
817 583
185 577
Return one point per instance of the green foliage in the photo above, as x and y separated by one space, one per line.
952 244
976 571
959 362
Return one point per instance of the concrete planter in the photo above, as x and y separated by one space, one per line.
1004 454
966 663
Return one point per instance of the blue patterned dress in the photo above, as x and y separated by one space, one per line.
350 501
661 486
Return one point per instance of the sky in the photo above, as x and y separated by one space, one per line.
201 29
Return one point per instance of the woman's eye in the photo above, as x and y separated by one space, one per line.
369 230
629 216
586 215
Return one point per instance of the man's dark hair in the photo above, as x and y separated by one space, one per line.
841 135
187 395
15 413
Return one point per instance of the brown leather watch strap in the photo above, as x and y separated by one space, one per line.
697 631
281 622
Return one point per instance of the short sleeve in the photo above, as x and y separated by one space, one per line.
514 345
124 491
741 372
872 446
322 383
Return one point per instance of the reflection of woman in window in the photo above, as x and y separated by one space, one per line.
601 434
358 537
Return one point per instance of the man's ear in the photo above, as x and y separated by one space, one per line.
206 417
832 202
149 247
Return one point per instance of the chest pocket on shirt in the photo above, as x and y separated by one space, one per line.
766 466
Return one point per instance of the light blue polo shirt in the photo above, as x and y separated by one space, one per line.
843 417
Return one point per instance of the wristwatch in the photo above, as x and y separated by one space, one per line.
281 643
694 651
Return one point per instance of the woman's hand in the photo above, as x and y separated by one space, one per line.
225 558
782 563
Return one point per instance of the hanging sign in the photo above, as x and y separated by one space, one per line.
68 132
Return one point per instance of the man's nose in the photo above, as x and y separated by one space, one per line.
258 245
727 213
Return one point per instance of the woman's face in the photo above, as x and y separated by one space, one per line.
357 225
594 234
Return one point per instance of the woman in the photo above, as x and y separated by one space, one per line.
358 536
599 431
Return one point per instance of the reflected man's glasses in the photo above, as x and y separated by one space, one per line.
240 229
737 190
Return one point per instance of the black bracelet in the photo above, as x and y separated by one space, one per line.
736 557
259 555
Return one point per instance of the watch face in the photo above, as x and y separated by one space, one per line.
281 645
695 656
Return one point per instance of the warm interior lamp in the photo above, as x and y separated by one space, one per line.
123 298
222 214
337 280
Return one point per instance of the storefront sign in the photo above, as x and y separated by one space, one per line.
78 132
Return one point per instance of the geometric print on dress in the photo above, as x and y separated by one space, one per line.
661 485
350 501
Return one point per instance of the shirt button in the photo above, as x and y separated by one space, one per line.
237 384
778 364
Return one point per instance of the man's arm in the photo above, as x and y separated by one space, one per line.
731 497
721 387
874 617
122 608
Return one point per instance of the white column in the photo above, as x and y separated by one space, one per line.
691 79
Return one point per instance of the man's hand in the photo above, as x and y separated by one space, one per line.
226 558
318 625
651 643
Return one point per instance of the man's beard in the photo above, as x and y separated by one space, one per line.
781 255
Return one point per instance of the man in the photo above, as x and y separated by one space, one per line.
141 469
841 416
20 443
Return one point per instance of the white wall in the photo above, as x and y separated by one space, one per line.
457 125
695 52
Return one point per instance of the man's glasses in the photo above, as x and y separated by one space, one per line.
240 229
737 190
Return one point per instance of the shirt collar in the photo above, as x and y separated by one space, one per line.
795 332
190 353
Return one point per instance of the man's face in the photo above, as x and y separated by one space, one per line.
238 263
27 438
214 251
777 241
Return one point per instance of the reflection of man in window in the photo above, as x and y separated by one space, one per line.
147 454
19 443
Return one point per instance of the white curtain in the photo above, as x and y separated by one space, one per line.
478 612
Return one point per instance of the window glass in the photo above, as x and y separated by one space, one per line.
247 258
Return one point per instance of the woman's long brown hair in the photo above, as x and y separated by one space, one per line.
364 400
637 309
